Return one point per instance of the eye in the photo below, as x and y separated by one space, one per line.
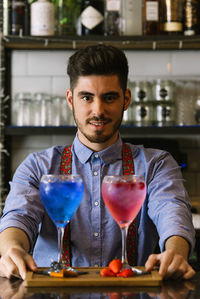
111 97
86 98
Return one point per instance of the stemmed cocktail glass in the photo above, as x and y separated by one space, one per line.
124 196
61 196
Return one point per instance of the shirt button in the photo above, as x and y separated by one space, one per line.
96 234
95 173
96 156
96 203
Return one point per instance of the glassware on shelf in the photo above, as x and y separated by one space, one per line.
185 97
47 113
22 109
197 110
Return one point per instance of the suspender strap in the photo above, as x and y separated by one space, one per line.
128 168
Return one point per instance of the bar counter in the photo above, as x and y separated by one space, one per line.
177 289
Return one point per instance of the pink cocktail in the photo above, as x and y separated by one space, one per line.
124 196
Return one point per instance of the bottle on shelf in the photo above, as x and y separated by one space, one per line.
112 17
42 18
67 13
17 17
6 16
27 18
172 16
191 17
92 17
151 17
131 17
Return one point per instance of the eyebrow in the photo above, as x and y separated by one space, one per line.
83 93
113 93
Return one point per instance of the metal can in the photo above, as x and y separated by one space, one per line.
128 115
141 91
164 114
163 90
143 114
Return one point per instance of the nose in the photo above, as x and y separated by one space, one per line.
98 107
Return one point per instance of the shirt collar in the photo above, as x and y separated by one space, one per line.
107 155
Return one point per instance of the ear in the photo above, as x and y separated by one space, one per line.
127 99
69 98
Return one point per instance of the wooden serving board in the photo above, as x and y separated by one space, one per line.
92 278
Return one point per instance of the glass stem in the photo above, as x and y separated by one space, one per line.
61 231
124 231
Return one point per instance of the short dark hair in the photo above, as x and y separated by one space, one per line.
98 60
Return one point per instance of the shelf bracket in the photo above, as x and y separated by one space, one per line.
154 45
46 42
73 44
180 45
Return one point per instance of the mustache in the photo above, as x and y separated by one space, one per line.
100 118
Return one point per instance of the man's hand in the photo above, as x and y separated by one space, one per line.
171 265
15 263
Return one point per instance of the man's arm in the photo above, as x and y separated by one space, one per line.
173 261
14 246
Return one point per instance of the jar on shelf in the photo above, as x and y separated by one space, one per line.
141 91
142 114
164 114
128 115
163 90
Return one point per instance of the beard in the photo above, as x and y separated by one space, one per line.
99 136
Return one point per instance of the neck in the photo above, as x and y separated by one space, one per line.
95 146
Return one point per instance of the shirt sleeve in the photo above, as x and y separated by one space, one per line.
168 202
23 207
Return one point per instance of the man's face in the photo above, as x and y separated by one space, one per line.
98 103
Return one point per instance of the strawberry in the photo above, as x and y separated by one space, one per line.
140 185
115 266
114 295
125 273
107 272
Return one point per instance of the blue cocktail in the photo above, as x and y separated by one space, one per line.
61 196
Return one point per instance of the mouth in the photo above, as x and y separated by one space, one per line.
100 124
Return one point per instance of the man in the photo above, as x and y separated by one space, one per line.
98 96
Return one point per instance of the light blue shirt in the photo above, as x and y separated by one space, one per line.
95 237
